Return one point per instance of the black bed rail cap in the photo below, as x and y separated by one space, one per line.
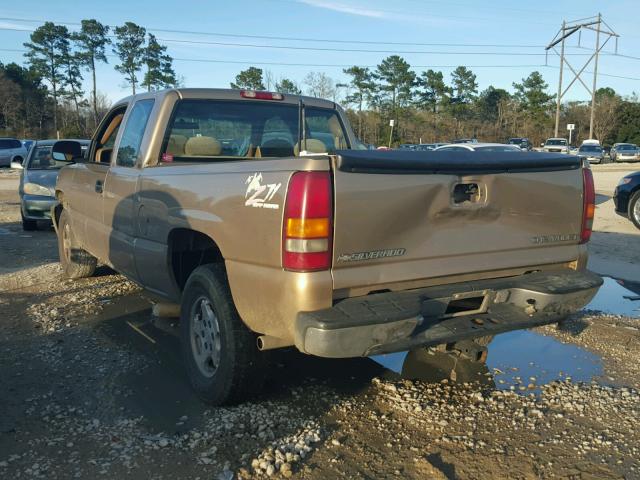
452 162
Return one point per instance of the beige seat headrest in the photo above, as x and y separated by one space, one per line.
312 146
202 147
176 144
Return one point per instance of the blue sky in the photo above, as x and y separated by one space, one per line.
488 31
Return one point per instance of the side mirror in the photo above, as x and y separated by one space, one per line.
67 151
542 144
16 165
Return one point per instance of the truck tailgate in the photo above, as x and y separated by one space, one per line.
407 216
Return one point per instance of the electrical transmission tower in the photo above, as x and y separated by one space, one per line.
598 25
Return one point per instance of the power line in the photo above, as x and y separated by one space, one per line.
295 39
342 50
345 65
294 64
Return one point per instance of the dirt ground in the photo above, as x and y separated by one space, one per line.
93 387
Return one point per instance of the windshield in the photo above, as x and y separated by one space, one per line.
557 141
590 148
627 146
204 130
41 159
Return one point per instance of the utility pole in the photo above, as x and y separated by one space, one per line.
598 25
595 77
559 96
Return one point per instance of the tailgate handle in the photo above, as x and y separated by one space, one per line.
467 192
98 186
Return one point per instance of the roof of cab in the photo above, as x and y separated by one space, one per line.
228 94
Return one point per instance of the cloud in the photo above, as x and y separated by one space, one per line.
344 8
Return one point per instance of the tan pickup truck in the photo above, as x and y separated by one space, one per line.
263 217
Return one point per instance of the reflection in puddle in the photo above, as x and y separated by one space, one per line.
529 358
616 299
521 361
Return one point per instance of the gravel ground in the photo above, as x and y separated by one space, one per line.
94 388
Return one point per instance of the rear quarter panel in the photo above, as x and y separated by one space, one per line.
213 198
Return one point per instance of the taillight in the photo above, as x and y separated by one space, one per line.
261 95
588 204
307 229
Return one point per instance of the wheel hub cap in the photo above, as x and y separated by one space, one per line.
205 337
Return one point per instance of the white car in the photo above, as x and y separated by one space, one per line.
556 145
11 150
480 147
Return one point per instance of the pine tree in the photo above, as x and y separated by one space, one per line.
45 55
129 47
91 42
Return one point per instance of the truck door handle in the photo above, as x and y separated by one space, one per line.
98 186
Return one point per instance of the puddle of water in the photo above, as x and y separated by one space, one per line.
611 299
519 355
523 355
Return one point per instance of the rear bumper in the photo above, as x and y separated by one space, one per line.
396 321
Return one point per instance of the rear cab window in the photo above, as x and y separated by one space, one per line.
218 130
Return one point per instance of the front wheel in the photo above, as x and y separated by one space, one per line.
29 225
634 209
76 262
220 353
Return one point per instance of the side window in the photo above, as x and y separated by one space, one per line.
106 137
324 125
133 132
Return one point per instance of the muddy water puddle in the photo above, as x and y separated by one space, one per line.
617 297
521 360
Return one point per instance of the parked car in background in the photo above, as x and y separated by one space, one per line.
592 153
407 146
465 140
556 145
625 152
39 175
626 198
425 147
479 147
11 150
523 143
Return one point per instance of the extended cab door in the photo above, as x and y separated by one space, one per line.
86 195
120 190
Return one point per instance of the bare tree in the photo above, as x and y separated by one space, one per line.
320 85
604 121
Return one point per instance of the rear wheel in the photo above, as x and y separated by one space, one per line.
76 262
634 209
220 353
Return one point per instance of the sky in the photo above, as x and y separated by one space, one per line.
211 41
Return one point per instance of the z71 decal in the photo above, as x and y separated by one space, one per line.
259 195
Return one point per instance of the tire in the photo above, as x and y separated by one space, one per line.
634 209
76 262
220 353
28 225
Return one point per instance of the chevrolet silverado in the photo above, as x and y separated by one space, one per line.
261 215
